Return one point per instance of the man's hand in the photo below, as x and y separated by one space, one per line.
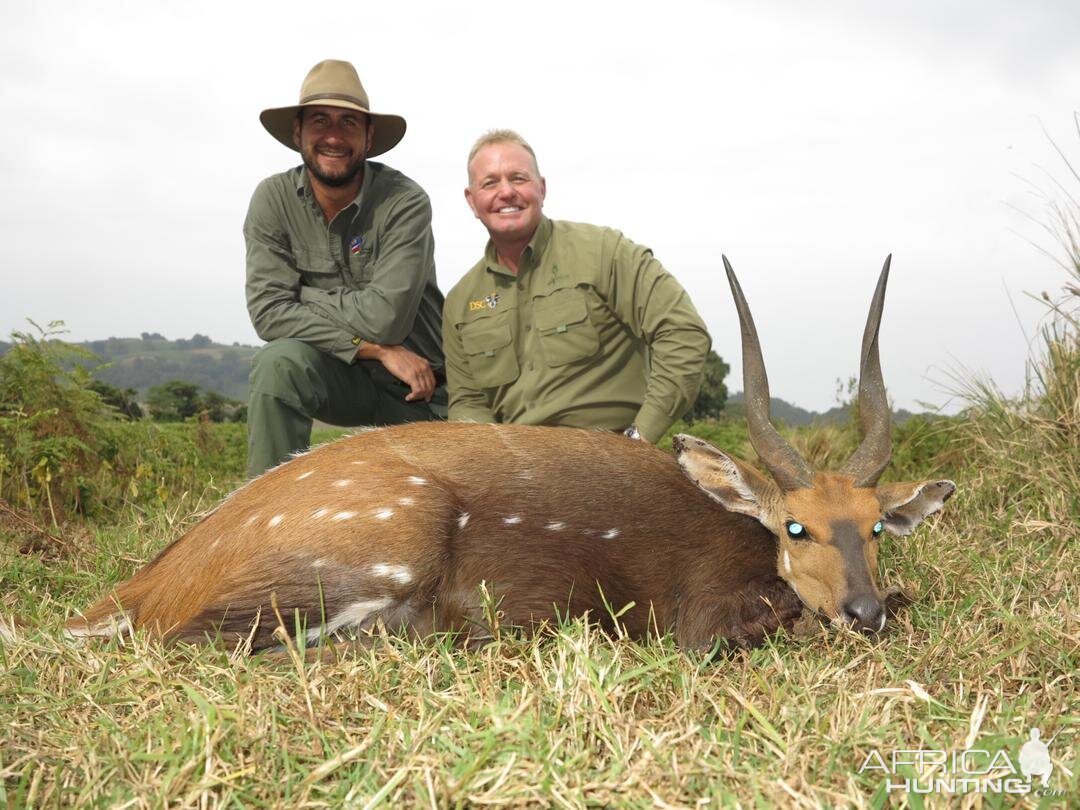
409 367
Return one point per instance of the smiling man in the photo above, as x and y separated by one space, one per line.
562 323
340 276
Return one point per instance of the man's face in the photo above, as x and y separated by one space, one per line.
506 191
333 143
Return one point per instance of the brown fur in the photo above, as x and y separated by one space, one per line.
555 522
822 575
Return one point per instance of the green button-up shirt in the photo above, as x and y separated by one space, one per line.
367 275
591 332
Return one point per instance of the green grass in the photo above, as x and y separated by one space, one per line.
577 719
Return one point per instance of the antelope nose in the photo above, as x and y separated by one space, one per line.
865 613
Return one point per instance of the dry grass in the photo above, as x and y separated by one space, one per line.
989 649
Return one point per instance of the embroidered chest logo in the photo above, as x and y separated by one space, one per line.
356 245
487 302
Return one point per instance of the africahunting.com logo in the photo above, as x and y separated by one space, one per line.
972 770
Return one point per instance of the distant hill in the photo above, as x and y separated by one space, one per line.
142 363
150 360
794 416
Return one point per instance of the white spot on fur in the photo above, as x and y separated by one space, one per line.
525 475
215 543
355 614
358 462
881 624
322 562
250 520
398 573
463 520
343 515
344 482
274 521
302 476
384 514
406 501
319 513
610 534
416 480
787 562
555 526
512 519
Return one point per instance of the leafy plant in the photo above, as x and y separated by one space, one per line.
49 421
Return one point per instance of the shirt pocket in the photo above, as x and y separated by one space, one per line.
317 269
361 267
567 334
489 351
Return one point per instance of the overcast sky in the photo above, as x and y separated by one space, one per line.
804 140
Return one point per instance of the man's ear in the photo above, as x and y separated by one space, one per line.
470 201
738 487
296 129
904 505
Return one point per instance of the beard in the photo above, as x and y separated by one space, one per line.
337 179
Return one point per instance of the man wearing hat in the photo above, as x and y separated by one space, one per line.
563 323
340 276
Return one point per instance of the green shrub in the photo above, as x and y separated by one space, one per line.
49 423
65 452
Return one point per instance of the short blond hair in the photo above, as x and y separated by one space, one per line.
499 136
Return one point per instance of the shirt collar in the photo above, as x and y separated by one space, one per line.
531 256
304 192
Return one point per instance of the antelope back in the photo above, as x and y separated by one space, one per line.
404 524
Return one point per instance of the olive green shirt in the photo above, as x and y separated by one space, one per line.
591 332
367 275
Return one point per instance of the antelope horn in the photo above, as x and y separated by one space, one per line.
868 462
783 461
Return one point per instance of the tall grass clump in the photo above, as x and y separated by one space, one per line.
1028 446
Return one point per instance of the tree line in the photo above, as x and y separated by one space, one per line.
173 401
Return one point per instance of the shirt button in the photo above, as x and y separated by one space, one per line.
530 366
520 286
528 327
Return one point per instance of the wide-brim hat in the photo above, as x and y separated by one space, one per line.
334 83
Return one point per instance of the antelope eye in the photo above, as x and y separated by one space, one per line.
878 528
796 531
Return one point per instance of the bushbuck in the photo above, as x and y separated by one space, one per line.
403 525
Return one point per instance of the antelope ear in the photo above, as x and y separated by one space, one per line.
738 487
904 505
